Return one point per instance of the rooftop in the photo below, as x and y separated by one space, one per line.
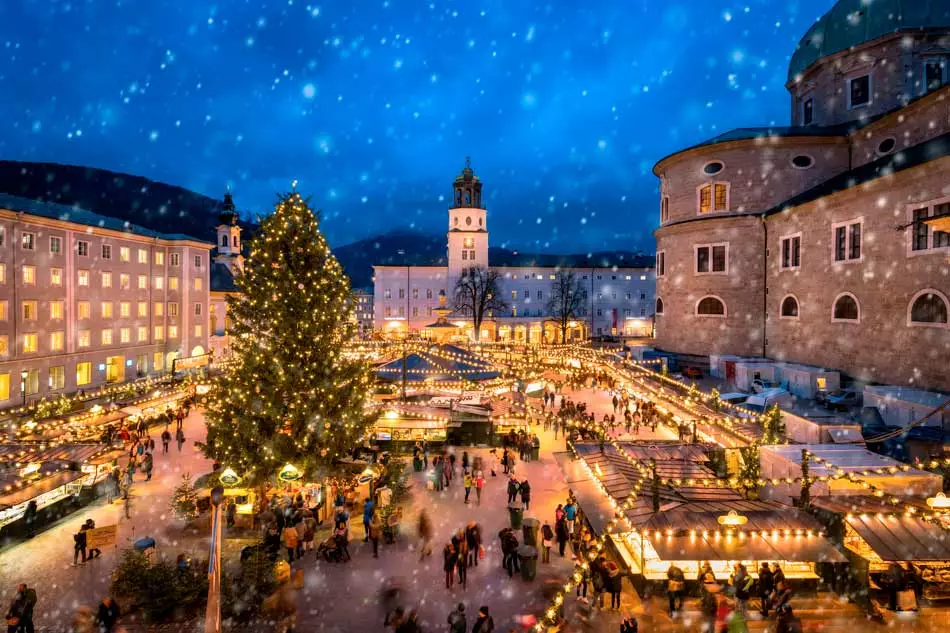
906 394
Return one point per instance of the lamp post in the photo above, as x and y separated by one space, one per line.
213 614
24 373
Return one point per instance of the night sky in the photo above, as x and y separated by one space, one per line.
564 107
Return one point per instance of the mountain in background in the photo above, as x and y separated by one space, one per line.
171 209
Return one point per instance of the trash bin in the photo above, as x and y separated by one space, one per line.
530 529
529 562
515 513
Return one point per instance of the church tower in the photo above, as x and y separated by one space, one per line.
229 237
468 225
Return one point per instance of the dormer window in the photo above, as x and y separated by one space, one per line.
808 111
859 92
935 73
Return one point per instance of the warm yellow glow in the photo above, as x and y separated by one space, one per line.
733 518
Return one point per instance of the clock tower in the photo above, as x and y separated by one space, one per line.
468 224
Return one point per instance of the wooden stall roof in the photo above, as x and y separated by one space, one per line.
663 451
867 504
79 453
44 485
896 538
756 548
761 515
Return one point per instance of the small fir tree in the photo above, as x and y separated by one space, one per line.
774 426
292 396
714 400
185 499
751 469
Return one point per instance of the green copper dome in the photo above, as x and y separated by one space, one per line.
853 22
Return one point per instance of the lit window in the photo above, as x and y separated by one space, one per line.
4 310
106 251
159 258
143 256
106 280
713 197
57 341
29 310
57 377
106 337
125 309
159 283
83 373
3 273
143 309
4 345
159 309
172 331
55 245
125 335
5 386
56 276
143 282
198 283
83 278
159 333
199 330
30 343
106 309
29 275
124 282
82 248
82 310
27 241
142 333
124 254
32 381
173 283
56 310
158 361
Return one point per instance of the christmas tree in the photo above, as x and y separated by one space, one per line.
293 396
185 499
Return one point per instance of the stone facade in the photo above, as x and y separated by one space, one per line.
825 262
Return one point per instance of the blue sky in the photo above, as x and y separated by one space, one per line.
564 107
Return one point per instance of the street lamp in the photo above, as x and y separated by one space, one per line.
213 614
24 373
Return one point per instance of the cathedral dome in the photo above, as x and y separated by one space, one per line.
851 23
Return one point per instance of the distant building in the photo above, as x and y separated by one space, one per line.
620 294
363 312
228 261
87 299
825 243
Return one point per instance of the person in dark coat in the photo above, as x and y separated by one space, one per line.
107 614
456 620
449 562
29 517
563 535
473 537
484 623
525 490
513 488
79 546
766 584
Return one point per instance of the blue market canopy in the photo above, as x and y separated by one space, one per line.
439 363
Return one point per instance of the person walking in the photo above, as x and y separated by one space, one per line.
456 620
547 538
147 466
675 586
20 614
465 462
107 614
614 584
504 461
570 513
166 439
375 531
425 534
473 538
461 558
94 552
479 484
525 490
513 489
79 546
467 482
509 551
766 584
484 623
449 561
368 508
180 438
290 540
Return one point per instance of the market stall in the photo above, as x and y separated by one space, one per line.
45 484
402 422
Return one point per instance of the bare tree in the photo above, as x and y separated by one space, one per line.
478 293
566 298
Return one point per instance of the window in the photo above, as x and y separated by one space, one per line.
29 310
141 363
106 251
82 248
886 146
174 259
199 331
83 278
514 295
143 282
57 310
4 345
106 336
3 273
526 294
711 258
415 293
4 310
32 382
106 309
125 309
143 256
935 74
82 310
923 237
628 296
29 276
388 312
159 283
198 284
660 263
197 261
142 333
57 341
124 254
30 343
159 258
106 280
802 161
847 240
159 309
846 309
84 338
468 242
83 373
711 306
713 168
124 282
57 377
224 240
664 208
859 91
56 276
173 283
626 312
600 312
27 241
540 295
402 293
428 293
388 294
143 309
173 309
158 361
789 309
714 197
792 251
125 335
197 309
659 306
471 255
808 111
172 331
55 245
928 307
159 333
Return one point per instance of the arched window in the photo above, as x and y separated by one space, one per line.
234 241
928 307
224 240
711 306
659 306
789 308
846 308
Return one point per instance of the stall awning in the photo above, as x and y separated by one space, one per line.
44 485
902 538
810 549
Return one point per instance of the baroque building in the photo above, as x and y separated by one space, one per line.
825 242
